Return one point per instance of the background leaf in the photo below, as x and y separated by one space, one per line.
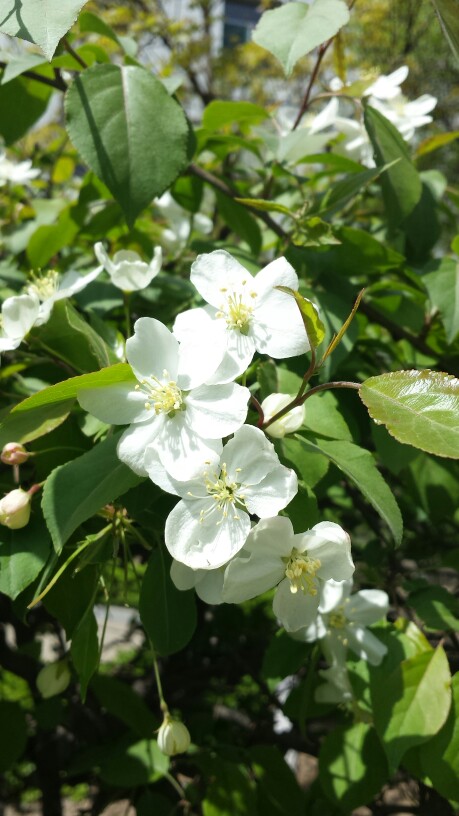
442 284
68 389
129 131
42 23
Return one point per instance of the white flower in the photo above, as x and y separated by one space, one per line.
387 86
246 314
342 620
297 564
337 687
208 583
180 222
19 314
16 172
211 522
169 407
173 736
127 270
288 423
15 509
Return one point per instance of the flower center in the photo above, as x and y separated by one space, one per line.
337 619
236 311
165 397
223 493
301 572
43 285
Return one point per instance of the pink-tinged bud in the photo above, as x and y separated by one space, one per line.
173 737
15 509
14 454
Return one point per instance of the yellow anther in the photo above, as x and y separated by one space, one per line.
301 572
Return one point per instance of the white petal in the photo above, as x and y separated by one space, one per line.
133 444
215 411
181 451
152 350
365 644
19 314
249 456
295 610
215 273
333 594
331 544
118 404
277 273
183 577
240 349
200 546
278 327
272 493
315 631
130 273
367 606
157 472
103 257
259 567
209 585
72 282
8 344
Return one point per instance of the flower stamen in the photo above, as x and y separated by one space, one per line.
301 572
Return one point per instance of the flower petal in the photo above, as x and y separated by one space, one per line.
181 451
152 350
278 328
200 546
365 644
118 404
295 610
215 272
215 411
249 456
276 273
331 544
259 566
133 444
367 606
19 314
272 493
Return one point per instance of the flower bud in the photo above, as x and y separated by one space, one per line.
53 678
14 453
288 423
15 509
173 737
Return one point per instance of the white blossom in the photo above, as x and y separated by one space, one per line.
15 509
173 736
176 235
245 313
273 556
16 172
207 583
169 407
127 270
289 422
211 522
342 621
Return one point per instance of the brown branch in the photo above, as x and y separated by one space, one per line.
58 83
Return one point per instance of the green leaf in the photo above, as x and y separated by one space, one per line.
68 389
84 650
323 416
80 587
401 184
442 284
220 113
411 702
122 701
352 765
131 764
440 755
37 422
419 408
13 735
22 102
167 614
313 325
346 189
448 11
48 240
77 490
295 29
278 792
70 338
229 791
239 220
23 554
309 467
359 466
436 607
17 65
436 141
118 116
265 206
43 23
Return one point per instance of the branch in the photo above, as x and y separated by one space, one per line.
58 83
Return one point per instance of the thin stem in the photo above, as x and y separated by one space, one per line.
259 409
300 400
305 103
74 54
58 83
175 785
309 372
107 612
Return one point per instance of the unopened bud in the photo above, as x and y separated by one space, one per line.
53 678
288 423
15 509
173 737
14 453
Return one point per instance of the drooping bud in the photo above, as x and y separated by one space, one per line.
14 453
173 736
53 678
288 423
15 509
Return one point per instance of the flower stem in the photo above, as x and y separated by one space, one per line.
301 398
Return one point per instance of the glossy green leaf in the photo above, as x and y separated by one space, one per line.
80 587
168 615
440 755
295 29
116 117
442 284
21 104
437 141
84 650
229 791
448 14
419 408
221 113
278 792
120 700
23 554
240 221
360 467
346 189
68 389
77 490
411 702
314 327
265 206
43 23
130 764
49 239
401 184
17 65
352 765
436 607
32 424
